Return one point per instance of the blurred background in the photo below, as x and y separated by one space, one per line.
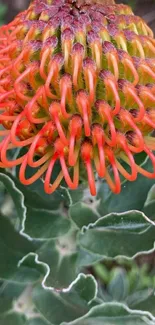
144 8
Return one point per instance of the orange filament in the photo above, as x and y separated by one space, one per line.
148 70
132 92
115 185
6 95
66 94
17 83
30 106
83 104
5 117
90 78
99 139
36 176
105 113
61 150
63 100
113 60
4 159
77 59
13 133
87 155
44 58
129 156
55 110
75 128
132 68
152 158
125 117
32 149
52 75
50 188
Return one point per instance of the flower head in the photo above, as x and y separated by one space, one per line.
77 86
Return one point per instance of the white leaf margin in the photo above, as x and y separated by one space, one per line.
92 225
5 178
47 269
147 317
22 232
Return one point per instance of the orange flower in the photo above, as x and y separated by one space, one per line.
77 86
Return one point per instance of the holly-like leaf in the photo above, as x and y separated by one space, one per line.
124 234
66 306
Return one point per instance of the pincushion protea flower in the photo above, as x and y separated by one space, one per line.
77 86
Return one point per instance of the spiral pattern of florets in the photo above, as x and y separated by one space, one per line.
77 86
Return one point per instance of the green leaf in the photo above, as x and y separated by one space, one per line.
139 298
13 247
119 285
15 303
124 234
44 224
147 304
132 196
66 306
55 256
47 226
86 258
37 321
15 194
9 292
82 214
12 319
25 275
61 257
33 197
150 196
113 314
53 201
149 211
50 227
149 206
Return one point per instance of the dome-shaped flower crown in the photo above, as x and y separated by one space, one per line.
77 86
